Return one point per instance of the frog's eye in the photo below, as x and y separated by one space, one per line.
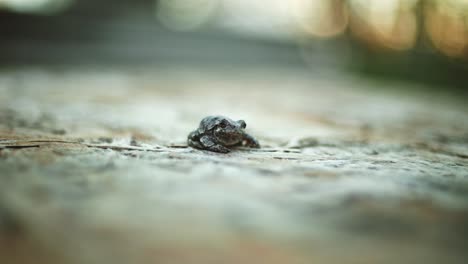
242 123
222 124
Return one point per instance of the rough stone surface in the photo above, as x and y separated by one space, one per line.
95 169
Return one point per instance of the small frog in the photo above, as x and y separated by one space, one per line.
219 134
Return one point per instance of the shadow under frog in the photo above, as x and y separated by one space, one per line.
219 134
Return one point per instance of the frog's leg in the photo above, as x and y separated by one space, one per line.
250 142
193 140
209 144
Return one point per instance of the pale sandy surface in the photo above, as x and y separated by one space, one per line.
94 169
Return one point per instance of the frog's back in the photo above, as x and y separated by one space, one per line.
209 122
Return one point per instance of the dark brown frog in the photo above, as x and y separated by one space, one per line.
220 134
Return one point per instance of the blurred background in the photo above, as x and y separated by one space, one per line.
359 106
421 41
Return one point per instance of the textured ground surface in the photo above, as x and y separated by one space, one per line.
94 169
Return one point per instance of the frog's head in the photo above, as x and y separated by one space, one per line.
227 131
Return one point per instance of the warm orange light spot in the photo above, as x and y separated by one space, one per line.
402 36
386 24
447 29
320 18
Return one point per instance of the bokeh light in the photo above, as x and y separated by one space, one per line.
387 23
320 18
185 15
446 25
35 6
379 24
